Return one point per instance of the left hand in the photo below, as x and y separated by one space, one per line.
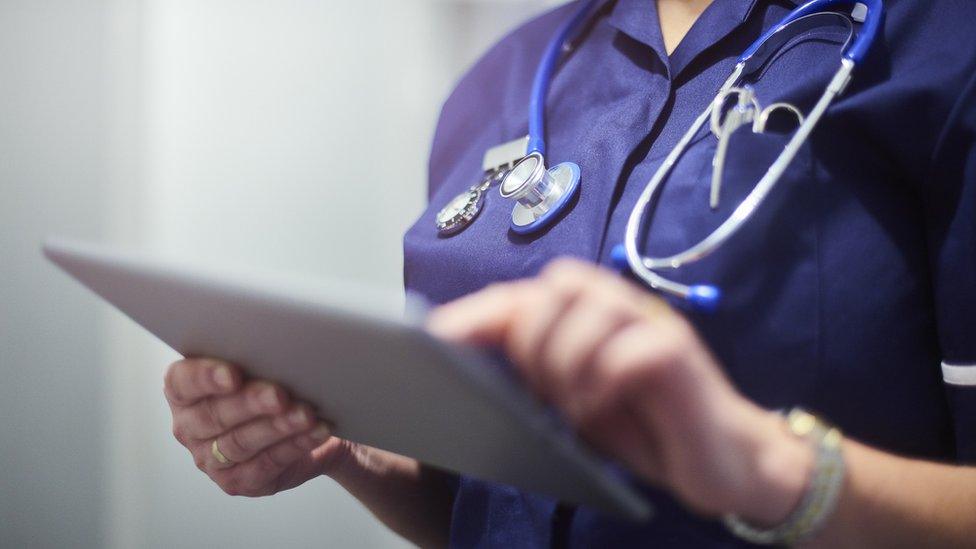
636 380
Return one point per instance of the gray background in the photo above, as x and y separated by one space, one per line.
240 131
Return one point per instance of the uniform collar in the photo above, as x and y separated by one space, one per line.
638 19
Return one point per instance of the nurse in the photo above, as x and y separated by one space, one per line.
851 294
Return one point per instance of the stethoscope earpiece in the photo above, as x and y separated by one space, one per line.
618 258
704 297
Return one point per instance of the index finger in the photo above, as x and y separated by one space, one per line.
190 380
480 318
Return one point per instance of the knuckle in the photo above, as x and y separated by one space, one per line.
567 269
608 287
527 291
679 334
561 265
266 464
256 388
194 416
174 369
236 444
208 415
253 483
168 376
599 302
661 374
499 288
179 432
182 368
231 486
177 377
660 361
170 388
200 462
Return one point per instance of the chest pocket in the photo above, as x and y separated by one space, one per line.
796 75
682 215
766 330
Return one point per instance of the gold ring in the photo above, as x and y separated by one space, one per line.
656 308
217 454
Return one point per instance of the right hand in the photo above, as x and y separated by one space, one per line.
272 443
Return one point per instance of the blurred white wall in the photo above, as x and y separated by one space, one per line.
254 132
53 177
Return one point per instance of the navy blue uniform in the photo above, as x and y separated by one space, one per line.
851 292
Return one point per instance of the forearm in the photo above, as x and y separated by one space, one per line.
890 501
886 500
412 500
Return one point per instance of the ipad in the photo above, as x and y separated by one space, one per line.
376 375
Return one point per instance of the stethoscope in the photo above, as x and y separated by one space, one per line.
541 194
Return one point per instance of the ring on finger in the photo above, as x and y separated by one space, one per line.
655 308
218 455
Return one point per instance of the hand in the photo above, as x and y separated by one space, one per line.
272 444
635 379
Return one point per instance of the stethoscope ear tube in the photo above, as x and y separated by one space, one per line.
544 75
870 11
873 21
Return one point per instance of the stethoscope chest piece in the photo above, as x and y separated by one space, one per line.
540 194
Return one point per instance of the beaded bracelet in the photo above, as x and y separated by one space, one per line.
820 498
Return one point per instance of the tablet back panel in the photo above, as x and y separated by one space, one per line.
379 380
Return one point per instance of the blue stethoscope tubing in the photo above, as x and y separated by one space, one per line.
544 75
562 182
541 193
856 51
550 58
706 297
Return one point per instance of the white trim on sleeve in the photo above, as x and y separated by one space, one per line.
959 374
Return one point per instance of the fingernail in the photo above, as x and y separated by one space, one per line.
434 323
223 378
445 324
321 433
269 398
298 417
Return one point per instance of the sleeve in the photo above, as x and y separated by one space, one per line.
950 204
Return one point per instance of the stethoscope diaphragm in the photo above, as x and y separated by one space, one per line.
540 194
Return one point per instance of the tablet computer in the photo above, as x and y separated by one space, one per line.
377 376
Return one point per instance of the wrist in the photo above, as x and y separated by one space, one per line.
783 464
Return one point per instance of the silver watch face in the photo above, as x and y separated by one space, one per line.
460 211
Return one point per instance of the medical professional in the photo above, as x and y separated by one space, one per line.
849 293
